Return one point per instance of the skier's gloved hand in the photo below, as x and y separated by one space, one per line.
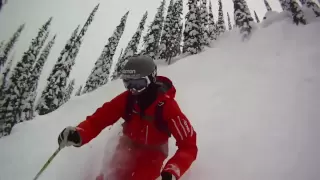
167 176
69 136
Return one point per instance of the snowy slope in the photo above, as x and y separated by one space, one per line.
255 106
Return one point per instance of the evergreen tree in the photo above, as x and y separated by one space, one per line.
212 26
257 17
64 53
173 47
267 5
57 67
9 46
221 24
73 52
151 40
285 4
78 93
242 19
53 94
247 10
115 74
165 42
204 15
100 73
177 29
171 39
10 102
5 73
131 48
68 91
229 22
177 44
297 14
314 6
29 101
192 34
1 45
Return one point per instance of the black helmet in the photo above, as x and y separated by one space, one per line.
138 73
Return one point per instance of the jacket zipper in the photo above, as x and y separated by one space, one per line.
146 135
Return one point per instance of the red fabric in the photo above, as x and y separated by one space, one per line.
145 133
133 163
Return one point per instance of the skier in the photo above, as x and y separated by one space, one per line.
151 116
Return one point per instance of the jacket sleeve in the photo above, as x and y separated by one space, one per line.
186 138
108 114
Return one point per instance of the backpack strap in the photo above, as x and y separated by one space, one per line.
129 108
160 123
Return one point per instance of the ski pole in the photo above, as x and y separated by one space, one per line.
47 163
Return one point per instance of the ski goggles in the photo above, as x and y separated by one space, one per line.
136 85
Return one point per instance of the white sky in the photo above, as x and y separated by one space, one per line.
67 14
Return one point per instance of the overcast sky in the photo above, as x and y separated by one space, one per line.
67 14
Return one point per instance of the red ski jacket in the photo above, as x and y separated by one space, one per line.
144 132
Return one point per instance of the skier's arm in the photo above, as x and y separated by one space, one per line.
109 113
185 136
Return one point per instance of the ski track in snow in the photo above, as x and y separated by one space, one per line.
254 105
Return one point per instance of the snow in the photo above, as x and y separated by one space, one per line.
254 105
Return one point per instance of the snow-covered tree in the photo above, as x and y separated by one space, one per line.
51 79
68 91
5 73
132 46
221 24
267 5
204 15
52 96
284 5
173 46
64 53
73 52
78 93
229 22
57 67
33 80
314 6
247 10
115 74
177 44
192 30
212 25
242 19
165 42
257 17
151 40
171 38
9 46
297 14
100 73
10 102
1 45
177 29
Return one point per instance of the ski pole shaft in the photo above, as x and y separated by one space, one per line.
47 164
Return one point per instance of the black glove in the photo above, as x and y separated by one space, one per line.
69 136
167 176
